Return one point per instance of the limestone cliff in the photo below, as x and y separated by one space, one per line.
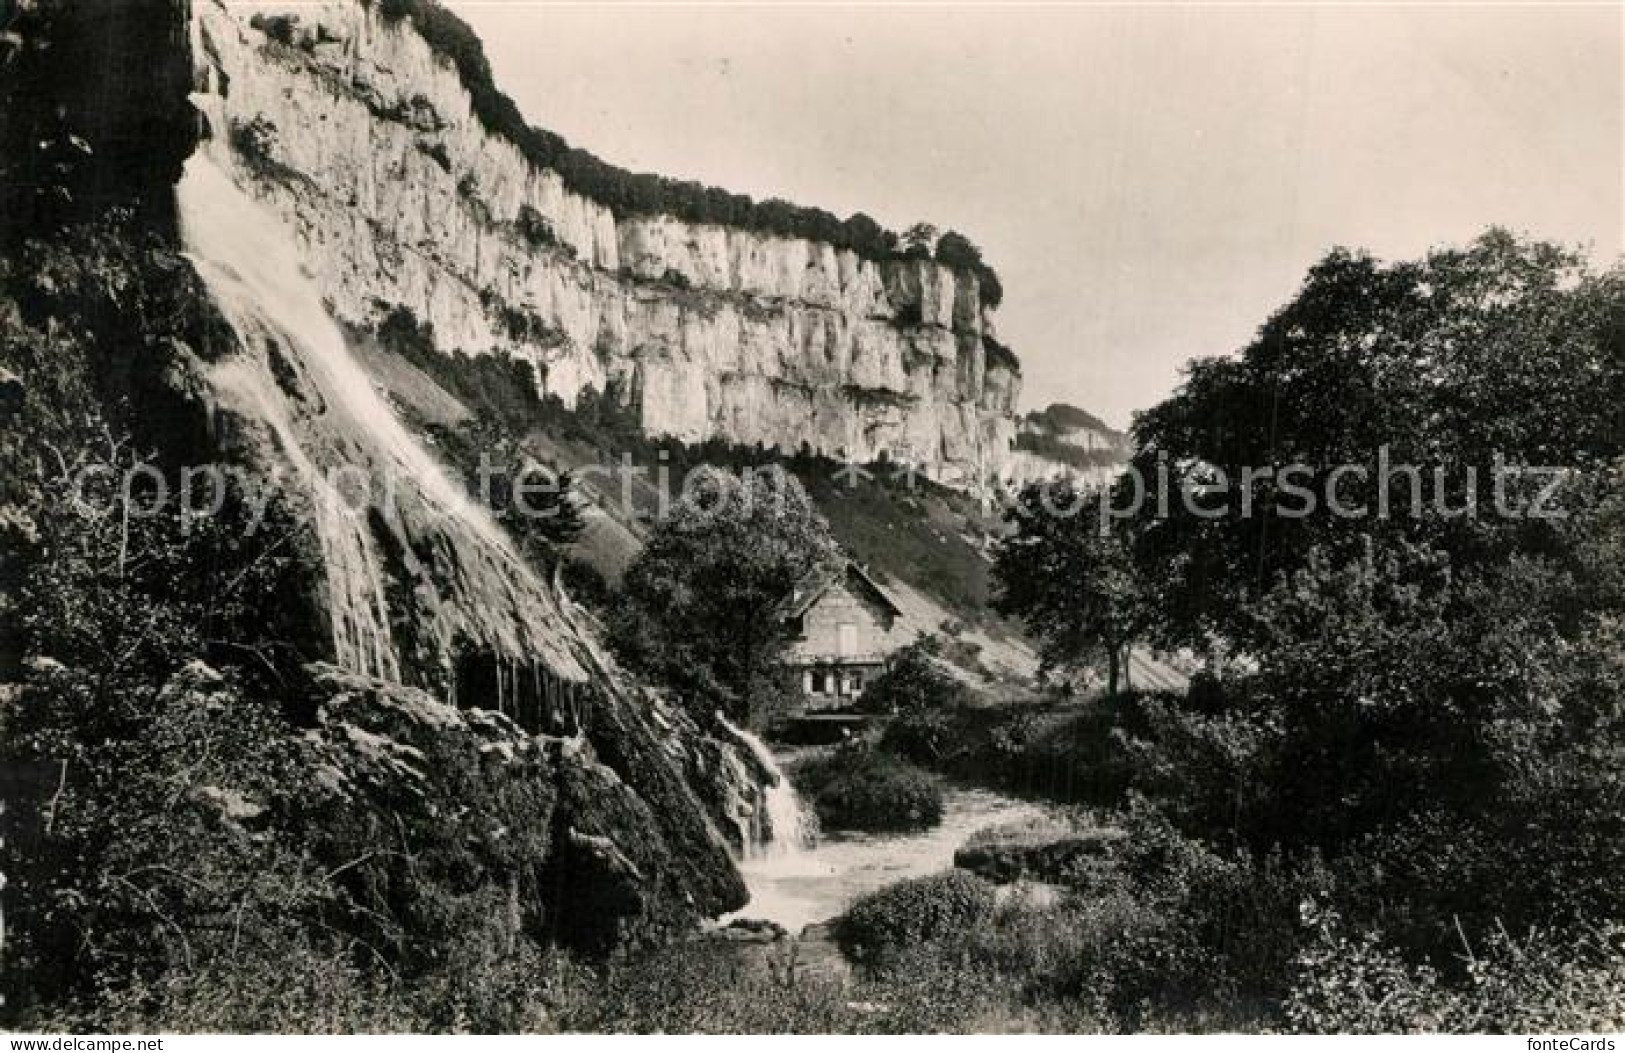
363 140
1065 441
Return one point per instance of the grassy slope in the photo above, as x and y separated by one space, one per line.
922 543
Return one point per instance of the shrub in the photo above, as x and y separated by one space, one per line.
924 737
280 28
913 912
255 141
1076 755
913 682
535 228
1544 983
860 789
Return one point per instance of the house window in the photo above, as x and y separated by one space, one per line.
854 682
820 682
849 638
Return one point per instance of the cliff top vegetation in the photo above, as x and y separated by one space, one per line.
629 193
1062 416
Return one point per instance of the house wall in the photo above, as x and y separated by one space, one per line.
844 668
837 686
878 632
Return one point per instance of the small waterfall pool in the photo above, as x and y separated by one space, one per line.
797 888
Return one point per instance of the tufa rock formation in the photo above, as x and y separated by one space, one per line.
136 272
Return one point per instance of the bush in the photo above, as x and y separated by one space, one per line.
280 28
585 584
1081 754
535 228
913 912
859 789
914 682
1544 983
255 141
924 737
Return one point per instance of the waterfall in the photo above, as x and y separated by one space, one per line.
782 825
332 426
255 281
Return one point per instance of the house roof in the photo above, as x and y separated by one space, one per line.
818 581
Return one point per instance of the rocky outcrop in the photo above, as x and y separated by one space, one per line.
1062 441
362 140
597 856
1044 853
477 739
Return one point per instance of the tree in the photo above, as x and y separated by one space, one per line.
538 505
1506 349
959 252
917 241
956 250
863 235
699 600
1071 578
914 682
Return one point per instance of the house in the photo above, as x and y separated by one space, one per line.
844 626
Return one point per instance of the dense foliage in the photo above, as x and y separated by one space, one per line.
855 788
1414 715
1070 575
914 681
1505 352
697 605
915 911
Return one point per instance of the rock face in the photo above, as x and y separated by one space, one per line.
363 141
599 856
1062 441
463 669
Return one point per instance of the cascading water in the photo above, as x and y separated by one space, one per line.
340 436
236 251
782 825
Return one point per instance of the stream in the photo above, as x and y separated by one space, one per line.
796 886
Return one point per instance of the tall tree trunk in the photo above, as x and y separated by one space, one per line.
1111 672
1128 667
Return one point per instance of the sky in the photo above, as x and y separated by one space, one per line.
1151 182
